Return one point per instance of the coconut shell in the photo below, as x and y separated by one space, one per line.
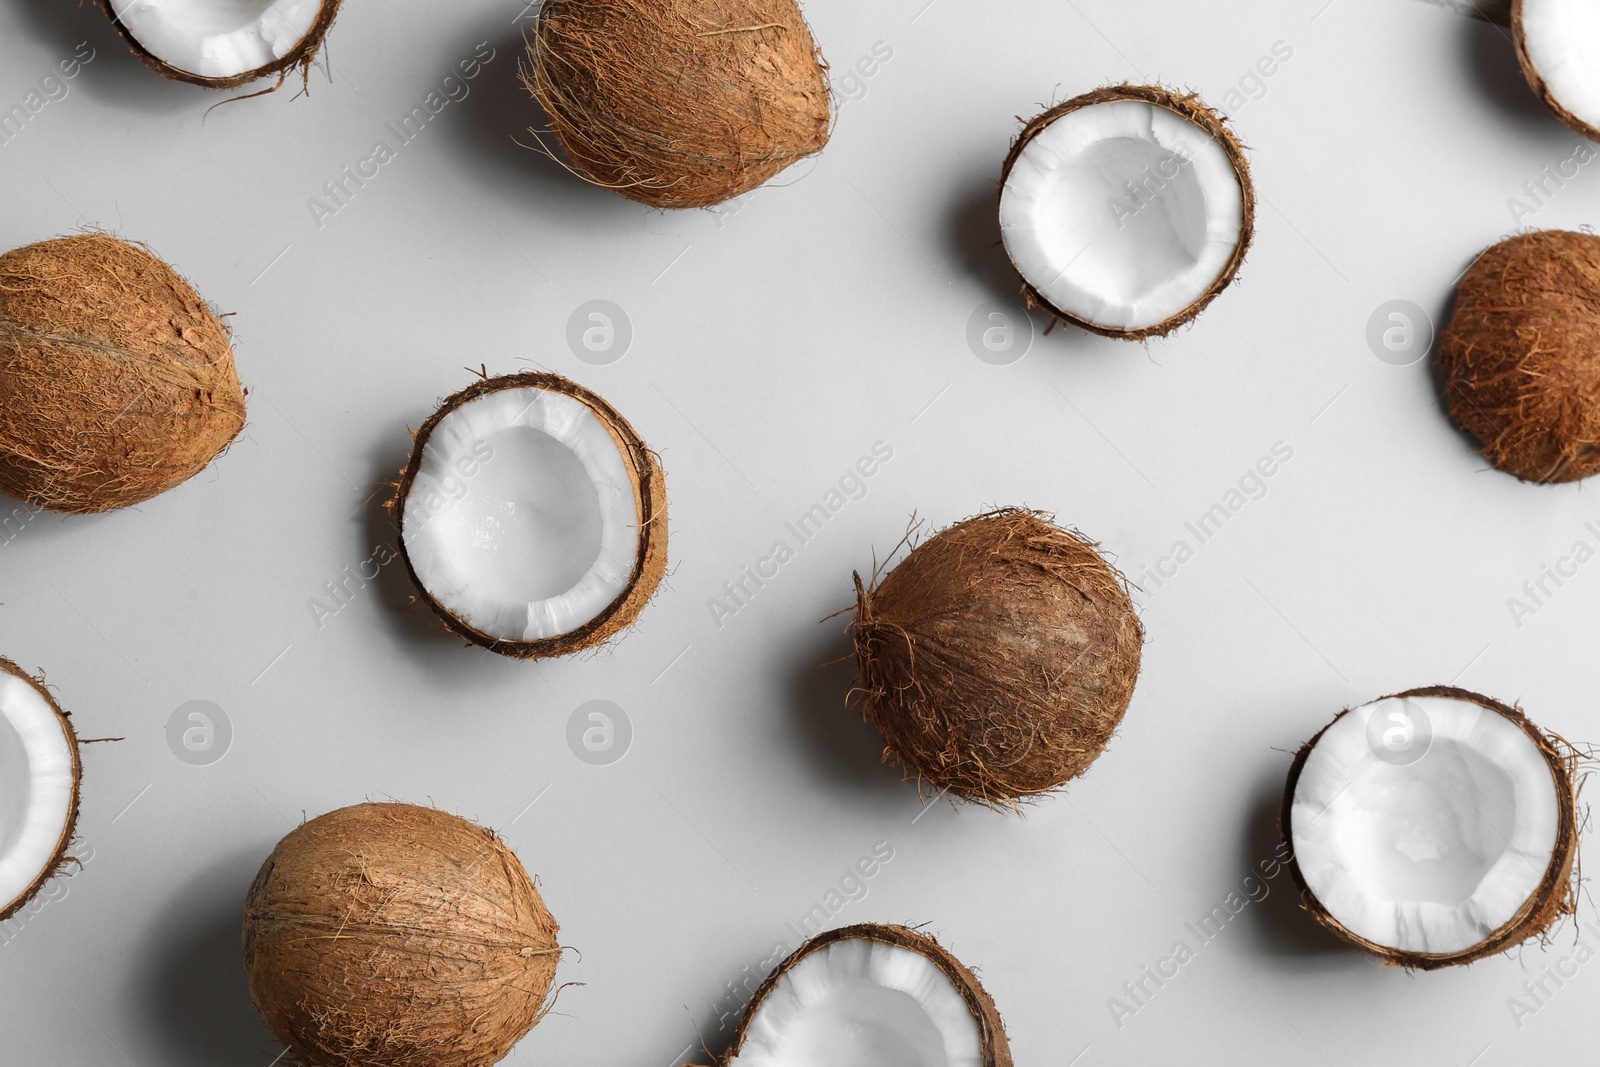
59 859
998 657
994 1049
301 56
390 935
1521 355
650 494
676 103
1536 80
117 381
1557 894
1191 108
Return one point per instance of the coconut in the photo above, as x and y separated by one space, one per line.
117 381
389 935
533 519
1433 827
677 104
1126 210
1521 355
885 995
1558 48
40 776
997 658
223 44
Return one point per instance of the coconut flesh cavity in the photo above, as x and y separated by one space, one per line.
39 775
391 934
1521 355
1126 210
222 44
870 994
532 516
997 658
1558 47
1434 827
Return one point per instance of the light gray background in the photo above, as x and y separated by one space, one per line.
773 344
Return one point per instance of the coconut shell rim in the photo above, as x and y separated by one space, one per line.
1189 107
301 55
1536 81
649 482
995 1047
59 858
1553 899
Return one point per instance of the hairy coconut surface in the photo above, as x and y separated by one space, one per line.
640 474
223 44
40 781
1558 44
678 104
800 1013
117 381
1420 838
1521 355
1137 247
998 657
400 936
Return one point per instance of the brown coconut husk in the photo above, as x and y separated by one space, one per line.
1521 355
59 860
650 496
1191 108
678 104
1536 80
994 1048
1554 899
997 658
117 381
398 935
301 57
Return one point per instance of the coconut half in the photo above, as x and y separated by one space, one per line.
1433 827
223 44
1126 210
39 779
532 517
1558 47
870 994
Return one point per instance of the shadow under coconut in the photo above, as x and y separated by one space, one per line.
832 736
191 988
114 74
1492 57
1276 924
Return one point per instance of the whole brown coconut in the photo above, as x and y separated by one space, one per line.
117 381
1557 894
998 657
299 57
994 1049
389 935
1521 355
678 104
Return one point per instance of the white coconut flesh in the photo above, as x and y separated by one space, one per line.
1433 855
217 38
37 781
861 1002
1562 40
1121 214
523 520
